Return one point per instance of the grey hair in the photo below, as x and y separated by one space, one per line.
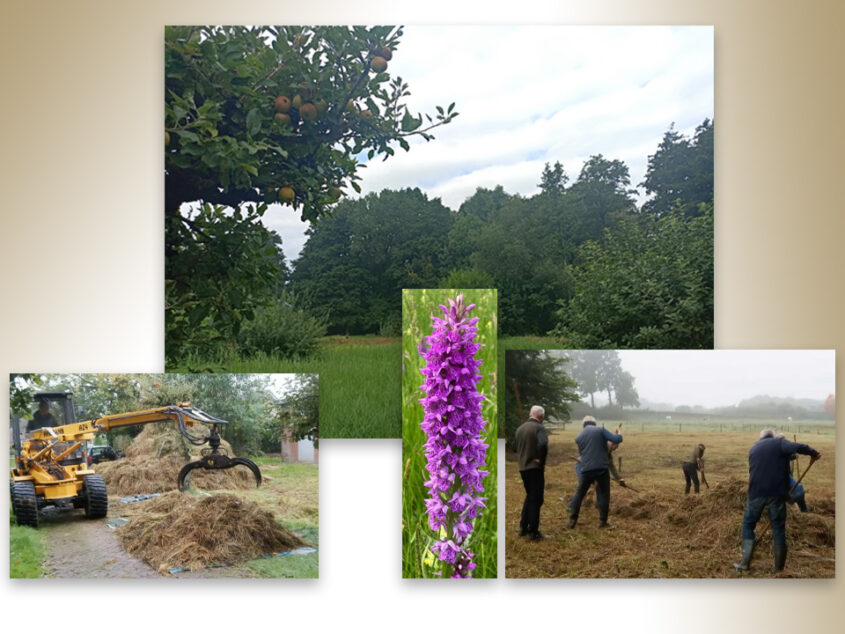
537 411
767 433
588 420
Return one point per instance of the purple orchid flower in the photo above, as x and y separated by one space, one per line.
454 427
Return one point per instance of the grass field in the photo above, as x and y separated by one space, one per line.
359 383
659 532
417 308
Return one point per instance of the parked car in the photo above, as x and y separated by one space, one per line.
101 453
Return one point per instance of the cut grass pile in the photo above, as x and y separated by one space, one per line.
187 531
658 531
417 308
155 457
359 383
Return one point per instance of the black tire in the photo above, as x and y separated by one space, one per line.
95 496
25 503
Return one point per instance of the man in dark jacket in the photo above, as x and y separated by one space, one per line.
595 467
42 417
768 486
691 468
532 446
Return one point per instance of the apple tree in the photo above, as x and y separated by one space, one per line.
255 115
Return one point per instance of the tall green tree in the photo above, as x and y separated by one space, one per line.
356 263
601 195
539 378
553 179
680 172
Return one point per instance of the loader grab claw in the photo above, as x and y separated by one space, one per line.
214 461
214 458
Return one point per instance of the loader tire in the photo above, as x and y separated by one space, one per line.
25 503
95 496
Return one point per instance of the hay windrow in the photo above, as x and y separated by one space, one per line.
187 531
155 457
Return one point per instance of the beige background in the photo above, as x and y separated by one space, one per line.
81 259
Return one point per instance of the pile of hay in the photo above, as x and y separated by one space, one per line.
155 457
186 531
641 508
715 516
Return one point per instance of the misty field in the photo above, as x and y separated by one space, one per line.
659 532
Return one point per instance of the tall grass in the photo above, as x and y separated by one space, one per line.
417 308
359 383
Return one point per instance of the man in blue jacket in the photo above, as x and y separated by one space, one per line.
595 467
768 486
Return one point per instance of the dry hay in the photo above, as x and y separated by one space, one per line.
179 530
714 515
156 456
660 532
640 508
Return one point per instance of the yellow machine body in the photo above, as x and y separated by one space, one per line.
44 449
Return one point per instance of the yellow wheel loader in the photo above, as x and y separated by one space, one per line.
52 466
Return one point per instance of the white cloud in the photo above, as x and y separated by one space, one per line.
530 95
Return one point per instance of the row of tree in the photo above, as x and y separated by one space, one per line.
581 259
257 417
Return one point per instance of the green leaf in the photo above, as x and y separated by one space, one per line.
253 122
187 134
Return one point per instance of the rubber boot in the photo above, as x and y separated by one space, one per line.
780 557
747 549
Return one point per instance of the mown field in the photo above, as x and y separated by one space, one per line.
359 383
416 534
659 532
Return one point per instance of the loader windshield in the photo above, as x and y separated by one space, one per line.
49 413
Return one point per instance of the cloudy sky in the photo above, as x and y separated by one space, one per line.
715 378
531 95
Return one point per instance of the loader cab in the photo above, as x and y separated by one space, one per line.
52 409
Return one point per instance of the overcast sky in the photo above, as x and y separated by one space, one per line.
531 95
281 384
715 378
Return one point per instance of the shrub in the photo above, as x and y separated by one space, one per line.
282 330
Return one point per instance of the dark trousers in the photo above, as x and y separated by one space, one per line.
800 501
602 479
777 516
691 476
534 481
